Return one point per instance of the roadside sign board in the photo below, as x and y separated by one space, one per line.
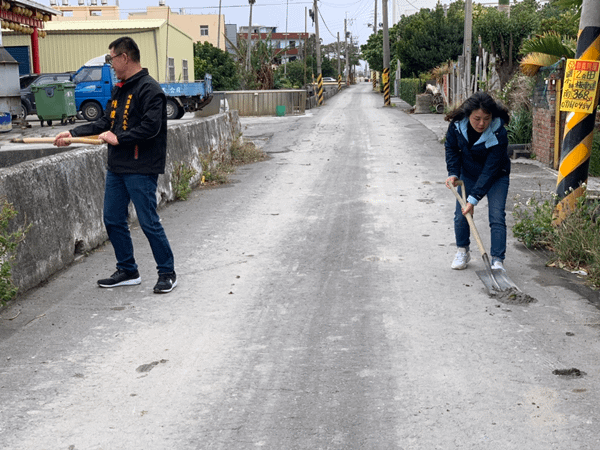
581 83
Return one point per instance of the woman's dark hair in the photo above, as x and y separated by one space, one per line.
479 100
126 45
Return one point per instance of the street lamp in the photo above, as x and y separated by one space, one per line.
249 34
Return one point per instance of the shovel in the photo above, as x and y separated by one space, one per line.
495 280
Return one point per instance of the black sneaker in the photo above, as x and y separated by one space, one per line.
166 283
121 278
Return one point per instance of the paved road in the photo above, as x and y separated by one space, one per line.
316 310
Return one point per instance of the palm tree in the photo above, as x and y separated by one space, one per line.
546 50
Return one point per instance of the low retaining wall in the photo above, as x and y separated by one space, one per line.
264 103
62 195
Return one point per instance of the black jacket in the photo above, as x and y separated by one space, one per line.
137 115
485 162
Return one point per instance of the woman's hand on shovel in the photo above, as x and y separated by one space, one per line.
453 181
469 209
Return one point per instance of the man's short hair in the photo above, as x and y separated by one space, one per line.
126 45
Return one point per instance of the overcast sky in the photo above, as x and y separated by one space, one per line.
289 14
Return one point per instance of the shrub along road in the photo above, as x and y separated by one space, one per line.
316 308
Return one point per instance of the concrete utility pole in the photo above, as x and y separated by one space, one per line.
374 75
319 74
339 62
386 54
305 48
347 68
219 27
467 45
249 35
579 126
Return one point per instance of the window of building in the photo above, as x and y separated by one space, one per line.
292 44
203 30
171 68
96 13
185 70
67 13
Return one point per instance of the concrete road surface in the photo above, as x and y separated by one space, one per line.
316 309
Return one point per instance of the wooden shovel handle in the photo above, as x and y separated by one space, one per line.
72 140
463 202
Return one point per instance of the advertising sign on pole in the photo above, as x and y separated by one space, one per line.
581 83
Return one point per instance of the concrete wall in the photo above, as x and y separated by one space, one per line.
264 103
62 195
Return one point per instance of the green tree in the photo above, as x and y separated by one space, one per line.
294 74
561 19
428 38
219 63
502 34
372 51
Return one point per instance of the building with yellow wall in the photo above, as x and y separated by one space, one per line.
201 27
167 52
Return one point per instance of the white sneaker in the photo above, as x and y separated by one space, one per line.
462 258
497 264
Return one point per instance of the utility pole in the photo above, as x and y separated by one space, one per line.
579 126
249 35
339 63
319 74
374 80
467 45
305 35
347 68
386 54
219 27
286 37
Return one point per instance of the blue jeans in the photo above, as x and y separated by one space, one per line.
497 216
141 190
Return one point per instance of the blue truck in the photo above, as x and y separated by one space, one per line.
94 83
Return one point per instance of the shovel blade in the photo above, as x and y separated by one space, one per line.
504 282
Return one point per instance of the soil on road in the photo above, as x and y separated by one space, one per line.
316 309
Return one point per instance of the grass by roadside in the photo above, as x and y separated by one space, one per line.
242 152
575 243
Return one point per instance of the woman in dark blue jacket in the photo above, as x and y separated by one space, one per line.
476 153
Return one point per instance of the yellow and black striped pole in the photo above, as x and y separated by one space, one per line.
579 126
374 75
386 87
320 89
339 81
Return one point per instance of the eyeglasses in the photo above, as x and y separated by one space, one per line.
109 59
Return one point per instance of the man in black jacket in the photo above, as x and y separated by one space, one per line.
134 126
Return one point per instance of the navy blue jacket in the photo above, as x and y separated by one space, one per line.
485 162
137 115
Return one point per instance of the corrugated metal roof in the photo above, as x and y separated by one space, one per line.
36 5
78 25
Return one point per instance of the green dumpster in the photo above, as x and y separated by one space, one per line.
55 101
280 110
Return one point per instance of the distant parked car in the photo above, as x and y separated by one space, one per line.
27 97
329 79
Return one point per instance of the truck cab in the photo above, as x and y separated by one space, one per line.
94 84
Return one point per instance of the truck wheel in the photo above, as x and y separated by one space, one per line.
172 109
91 111
22 113
180 113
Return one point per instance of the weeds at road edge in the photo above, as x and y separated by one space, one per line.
9 241
575 243
241 153
181 176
